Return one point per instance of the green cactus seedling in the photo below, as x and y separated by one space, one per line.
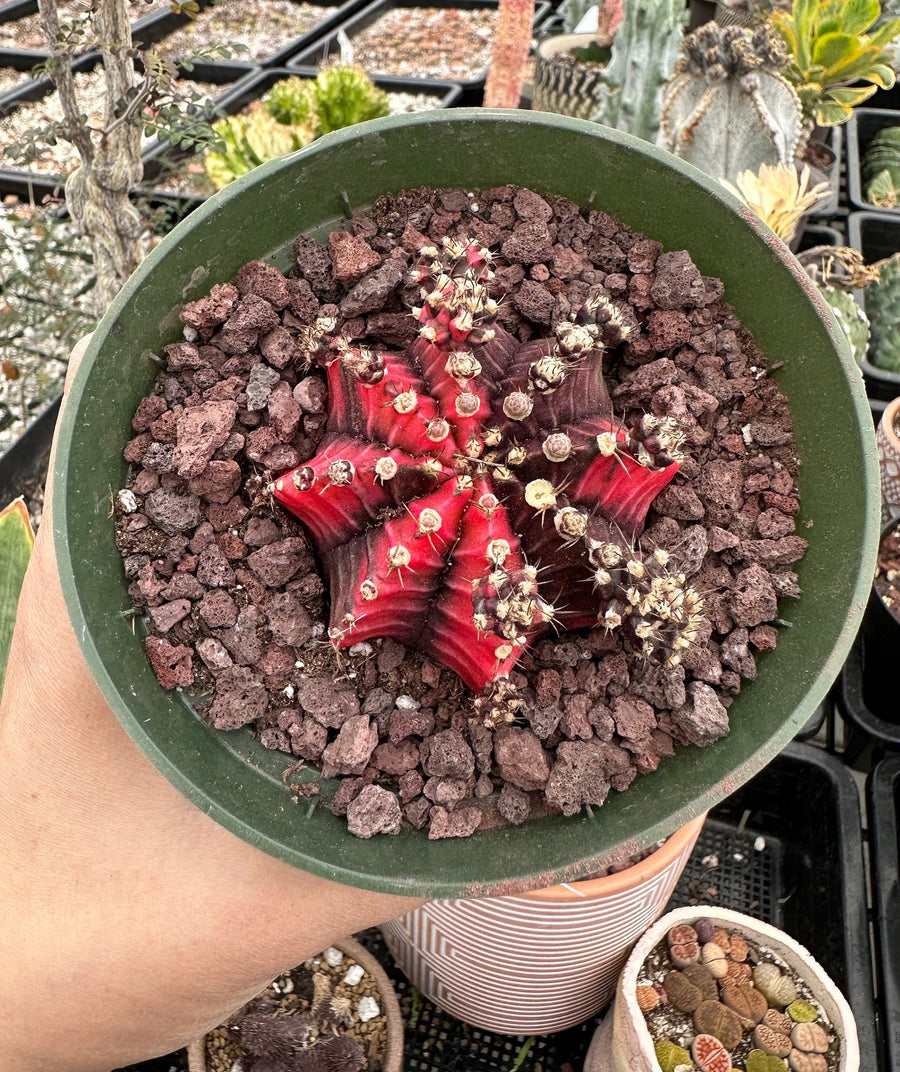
851 317
880 168
883 307
293 113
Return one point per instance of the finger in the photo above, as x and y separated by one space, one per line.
75 360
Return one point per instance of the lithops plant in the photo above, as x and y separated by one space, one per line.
727 108
883 308
473 492
642 58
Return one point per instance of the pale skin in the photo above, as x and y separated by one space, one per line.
131 921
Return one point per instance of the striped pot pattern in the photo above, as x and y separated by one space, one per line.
565 88
542 961
888 444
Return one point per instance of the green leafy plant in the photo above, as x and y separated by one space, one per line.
883 307
16 541
293 112
830 48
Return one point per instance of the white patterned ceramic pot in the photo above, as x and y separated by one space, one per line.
622 1043
542 961
887 439
563 87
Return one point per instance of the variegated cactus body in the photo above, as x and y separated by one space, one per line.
727 109
644 52
474 491
851 317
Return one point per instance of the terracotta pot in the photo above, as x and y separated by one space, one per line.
390 1007
622 1043
565 88
543 961
887 440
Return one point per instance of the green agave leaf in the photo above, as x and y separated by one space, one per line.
864 66
16 541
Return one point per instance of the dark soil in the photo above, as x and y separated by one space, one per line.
325 1014
708 983
236 602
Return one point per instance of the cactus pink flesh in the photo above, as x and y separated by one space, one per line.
418 500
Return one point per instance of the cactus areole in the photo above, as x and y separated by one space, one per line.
473 492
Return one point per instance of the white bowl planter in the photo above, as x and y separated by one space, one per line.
622 1043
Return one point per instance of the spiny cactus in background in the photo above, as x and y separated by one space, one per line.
837 271
880 168
883 307
851 317
345 95
727 109
290 115
473 492
780 195
643 55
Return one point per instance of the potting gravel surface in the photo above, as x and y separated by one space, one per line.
422 42
59 159
237 602
263 27
28 33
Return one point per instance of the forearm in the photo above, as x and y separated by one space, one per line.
132 921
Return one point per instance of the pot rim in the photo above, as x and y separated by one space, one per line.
887 422
826 991
231 777
643 871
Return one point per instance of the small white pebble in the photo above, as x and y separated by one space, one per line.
190 334
127 501
362 648
354 974
407 703
332 956
710 861
367 1009
745 432
299 664
738 856
288 691
318 628
759 844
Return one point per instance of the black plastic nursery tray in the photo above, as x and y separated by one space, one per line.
158 27
330 45
786 848
862 127
35 185
883 789
877 236
160 159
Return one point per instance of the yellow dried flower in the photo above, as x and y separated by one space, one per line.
780 195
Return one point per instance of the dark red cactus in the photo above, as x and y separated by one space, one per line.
473 490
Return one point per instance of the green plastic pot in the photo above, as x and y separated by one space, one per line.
231 776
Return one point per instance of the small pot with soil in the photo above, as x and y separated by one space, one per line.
717 989
567 73
336 1011
262 590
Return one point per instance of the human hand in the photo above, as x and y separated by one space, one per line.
131 921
